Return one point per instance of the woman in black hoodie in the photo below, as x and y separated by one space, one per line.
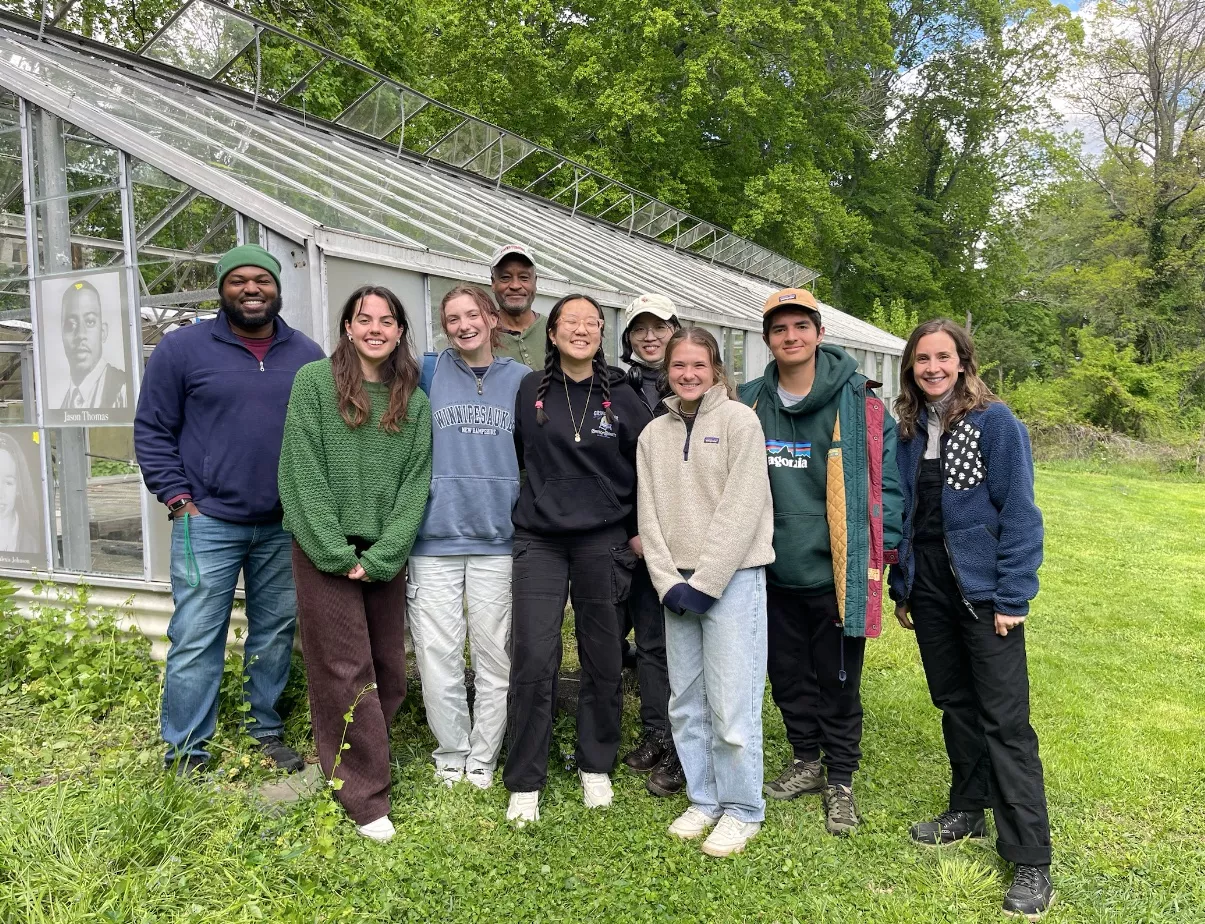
575 526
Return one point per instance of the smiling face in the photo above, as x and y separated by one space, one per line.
936 365
690 372
649 335
373 329
84 332
578 331
250 297
793 337
514 283
467 326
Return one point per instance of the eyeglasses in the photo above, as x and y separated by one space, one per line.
591 324
640 331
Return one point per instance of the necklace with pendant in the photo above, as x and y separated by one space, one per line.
577 427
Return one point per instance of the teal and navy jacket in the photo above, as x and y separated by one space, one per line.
836 525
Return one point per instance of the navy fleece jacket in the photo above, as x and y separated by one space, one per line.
211 418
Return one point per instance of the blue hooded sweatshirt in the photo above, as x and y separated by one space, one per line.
476 472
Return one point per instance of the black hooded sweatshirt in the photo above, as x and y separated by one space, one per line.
574 487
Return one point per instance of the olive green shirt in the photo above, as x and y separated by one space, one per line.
526 347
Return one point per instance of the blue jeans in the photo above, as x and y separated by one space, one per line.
717 679
201 620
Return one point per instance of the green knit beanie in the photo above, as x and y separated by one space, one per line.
248 255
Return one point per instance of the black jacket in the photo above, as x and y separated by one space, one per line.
574 487
651 385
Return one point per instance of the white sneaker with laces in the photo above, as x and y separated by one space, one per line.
730 836
596 789
524 807
480 777
449 776
381 830
692 823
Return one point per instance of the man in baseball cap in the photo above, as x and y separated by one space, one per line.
825 429
524 332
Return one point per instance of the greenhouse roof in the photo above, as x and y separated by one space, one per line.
311 179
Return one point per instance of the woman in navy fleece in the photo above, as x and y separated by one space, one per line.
967 570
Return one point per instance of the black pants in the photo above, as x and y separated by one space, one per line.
597 566
807 653
980 682
643 612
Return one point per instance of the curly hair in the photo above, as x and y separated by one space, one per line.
970 391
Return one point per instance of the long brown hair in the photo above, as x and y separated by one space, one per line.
484 304
702 337
970 392
399 371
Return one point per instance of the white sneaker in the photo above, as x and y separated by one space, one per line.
596 789
380 830
524 807
692 823
480 777
730 836
449 776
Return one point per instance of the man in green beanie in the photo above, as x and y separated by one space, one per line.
207 434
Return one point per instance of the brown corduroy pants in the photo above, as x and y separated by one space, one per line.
353 635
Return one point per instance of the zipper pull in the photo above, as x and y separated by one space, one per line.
479 391
261 365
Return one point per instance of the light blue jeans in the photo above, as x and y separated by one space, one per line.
717 679
201 620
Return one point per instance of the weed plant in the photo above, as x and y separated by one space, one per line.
92 830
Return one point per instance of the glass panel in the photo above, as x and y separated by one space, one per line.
427 126
330 89
16 355
100 526
283 61
382 110
202 40
467 142
736 357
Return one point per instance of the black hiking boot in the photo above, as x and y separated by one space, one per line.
191 766
1031 894
797 778
949 827
281 754
646 755
668 778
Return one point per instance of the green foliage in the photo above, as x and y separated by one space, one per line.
102 467
63 655
895 317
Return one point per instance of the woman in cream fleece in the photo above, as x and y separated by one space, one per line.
707 525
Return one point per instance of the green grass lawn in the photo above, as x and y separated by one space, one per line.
91 830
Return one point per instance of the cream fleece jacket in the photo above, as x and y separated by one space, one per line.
704 502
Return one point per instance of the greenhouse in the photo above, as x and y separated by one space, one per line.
125 175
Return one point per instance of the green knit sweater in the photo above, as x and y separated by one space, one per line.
337 482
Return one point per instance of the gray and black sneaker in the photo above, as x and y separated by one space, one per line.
798 778
949 827
840 811
1031 894
282 755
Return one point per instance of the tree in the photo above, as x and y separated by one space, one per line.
1144 85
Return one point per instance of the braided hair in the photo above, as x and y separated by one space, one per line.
552 357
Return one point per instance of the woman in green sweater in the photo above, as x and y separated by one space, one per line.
355 470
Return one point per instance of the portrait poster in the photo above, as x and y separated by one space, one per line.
22 524
85 358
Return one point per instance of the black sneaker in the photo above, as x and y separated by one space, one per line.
192 765
667 778
840 810
1031 894
797 778
949 827
282 755
646 755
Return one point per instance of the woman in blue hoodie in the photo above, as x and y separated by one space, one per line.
460 566
968 567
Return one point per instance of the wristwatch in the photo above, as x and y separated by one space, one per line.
176 506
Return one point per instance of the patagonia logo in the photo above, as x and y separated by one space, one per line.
711 439
789 297
783 454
